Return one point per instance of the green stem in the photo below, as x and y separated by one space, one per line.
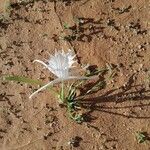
62 92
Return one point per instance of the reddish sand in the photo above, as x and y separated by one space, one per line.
111 33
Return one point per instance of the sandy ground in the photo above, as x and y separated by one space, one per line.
110 33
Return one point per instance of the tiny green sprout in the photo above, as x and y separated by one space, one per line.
45 35
141 137
76 117
66 26
6 10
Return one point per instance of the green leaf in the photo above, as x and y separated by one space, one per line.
141 137
23 79
76 117
28 81
66 25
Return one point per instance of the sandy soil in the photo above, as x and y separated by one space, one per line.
110 33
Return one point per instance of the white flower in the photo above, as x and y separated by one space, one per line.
60 65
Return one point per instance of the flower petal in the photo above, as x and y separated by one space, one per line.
80 78
45 86
39 61
47 66
61 79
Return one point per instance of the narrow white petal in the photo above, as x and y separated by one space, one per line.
81 78
47 66
45 86
59 80
39 61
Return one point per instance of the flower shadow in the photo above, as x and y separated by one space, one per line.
128 100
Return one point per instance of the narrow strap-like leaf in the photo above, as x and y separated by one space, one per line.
22 79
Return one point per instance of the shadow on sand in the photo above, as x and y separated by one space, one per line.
123 94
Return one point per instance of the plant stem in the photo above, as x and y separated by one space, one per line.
62 91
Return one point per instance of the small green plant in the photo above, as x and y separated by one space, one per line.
72 105
66 26
61 65
4 15
141 137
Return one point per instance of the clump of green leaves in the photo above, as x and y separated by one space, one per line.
141 137
4 15
73 105
67 95
71 99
